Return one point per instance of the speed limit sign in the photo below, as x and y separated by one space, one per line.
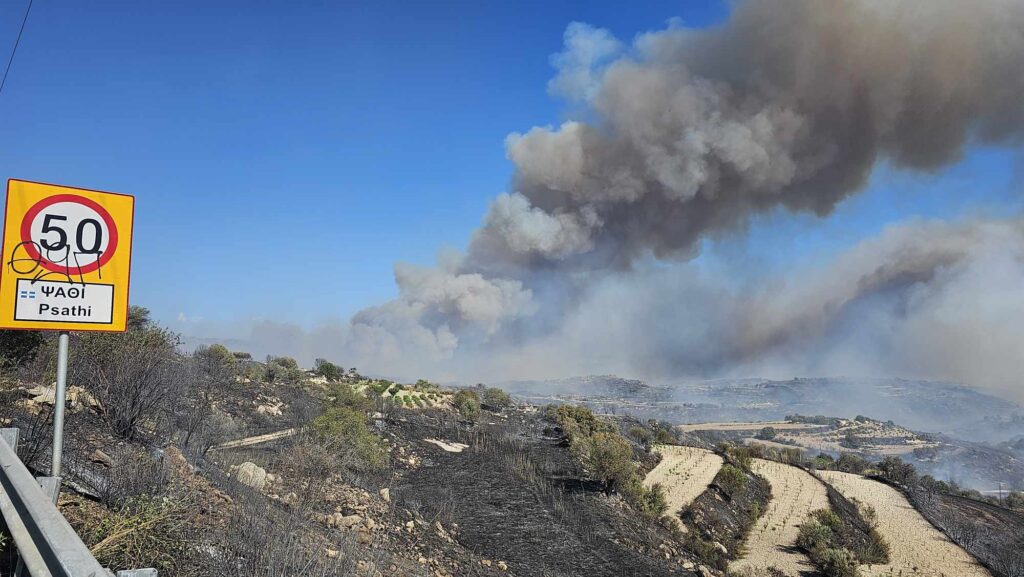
66 258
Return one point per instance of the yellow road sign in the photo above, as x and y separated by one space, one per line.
66 258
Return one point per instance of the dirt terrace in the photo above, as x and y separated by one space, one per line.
917 548
684 472
772 541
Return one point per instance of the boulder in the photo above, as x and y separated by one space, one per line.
252 475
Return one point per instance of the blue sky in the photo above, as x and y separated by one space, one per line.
269 143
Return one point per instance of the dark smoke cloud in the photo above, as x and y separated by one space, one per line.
692 133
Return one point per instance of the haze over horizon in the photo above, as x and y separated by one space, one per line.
765 188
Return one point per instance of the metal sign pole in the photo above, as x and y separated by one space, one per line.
58 403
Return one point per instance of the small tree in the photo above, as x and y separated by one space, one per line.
286 362
496 398
609 458
896 471
467 402
328 370
134 375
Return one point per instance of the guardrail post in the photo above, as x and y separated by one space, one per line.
50 486
137 573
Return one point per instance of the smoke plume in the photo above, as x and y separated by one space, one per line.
689 134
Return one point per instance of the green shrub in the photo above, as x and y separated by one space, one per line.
343 395
650 502
850 463
767 433
425 385
731 480
328 370
608 457
814 535
344 431
642 435
467 403
577 422
286 362
496 398
837 563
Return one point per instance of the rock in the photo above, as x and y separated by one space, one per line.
721 548
348 521
370 523
101 458
409 526
486 562
689 566
332 553
271 410
364 538
503 565
252 475
705 572
385 494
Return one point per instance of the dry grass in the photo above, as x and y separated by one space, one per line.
684 472
772 541
917 548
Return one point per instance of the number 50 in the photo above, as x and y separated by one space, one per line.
62 235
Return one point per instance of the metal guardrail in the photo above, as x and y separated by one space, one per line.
47 545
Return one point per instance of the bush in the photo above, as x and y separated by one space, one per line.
135 375
577 422
849 463
767 433
467 403
343 395
894 470
145 531
344 433
242 356
496 398
286 362
814 535
425 385
609 459
642 435
731 480
328 370
837 563
651 503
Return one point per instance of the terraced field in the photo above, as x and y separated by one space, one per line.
772 541
917 548
684 472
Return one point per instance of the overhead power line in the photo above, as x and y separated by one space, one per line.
15 49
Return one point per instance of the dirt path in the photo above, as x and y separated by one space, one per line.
917 548
684 472
772 541
249 441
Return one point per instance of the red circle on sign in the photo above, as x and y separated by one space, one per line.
33 251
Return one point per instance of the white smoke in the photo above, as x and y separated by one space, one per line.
687 134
